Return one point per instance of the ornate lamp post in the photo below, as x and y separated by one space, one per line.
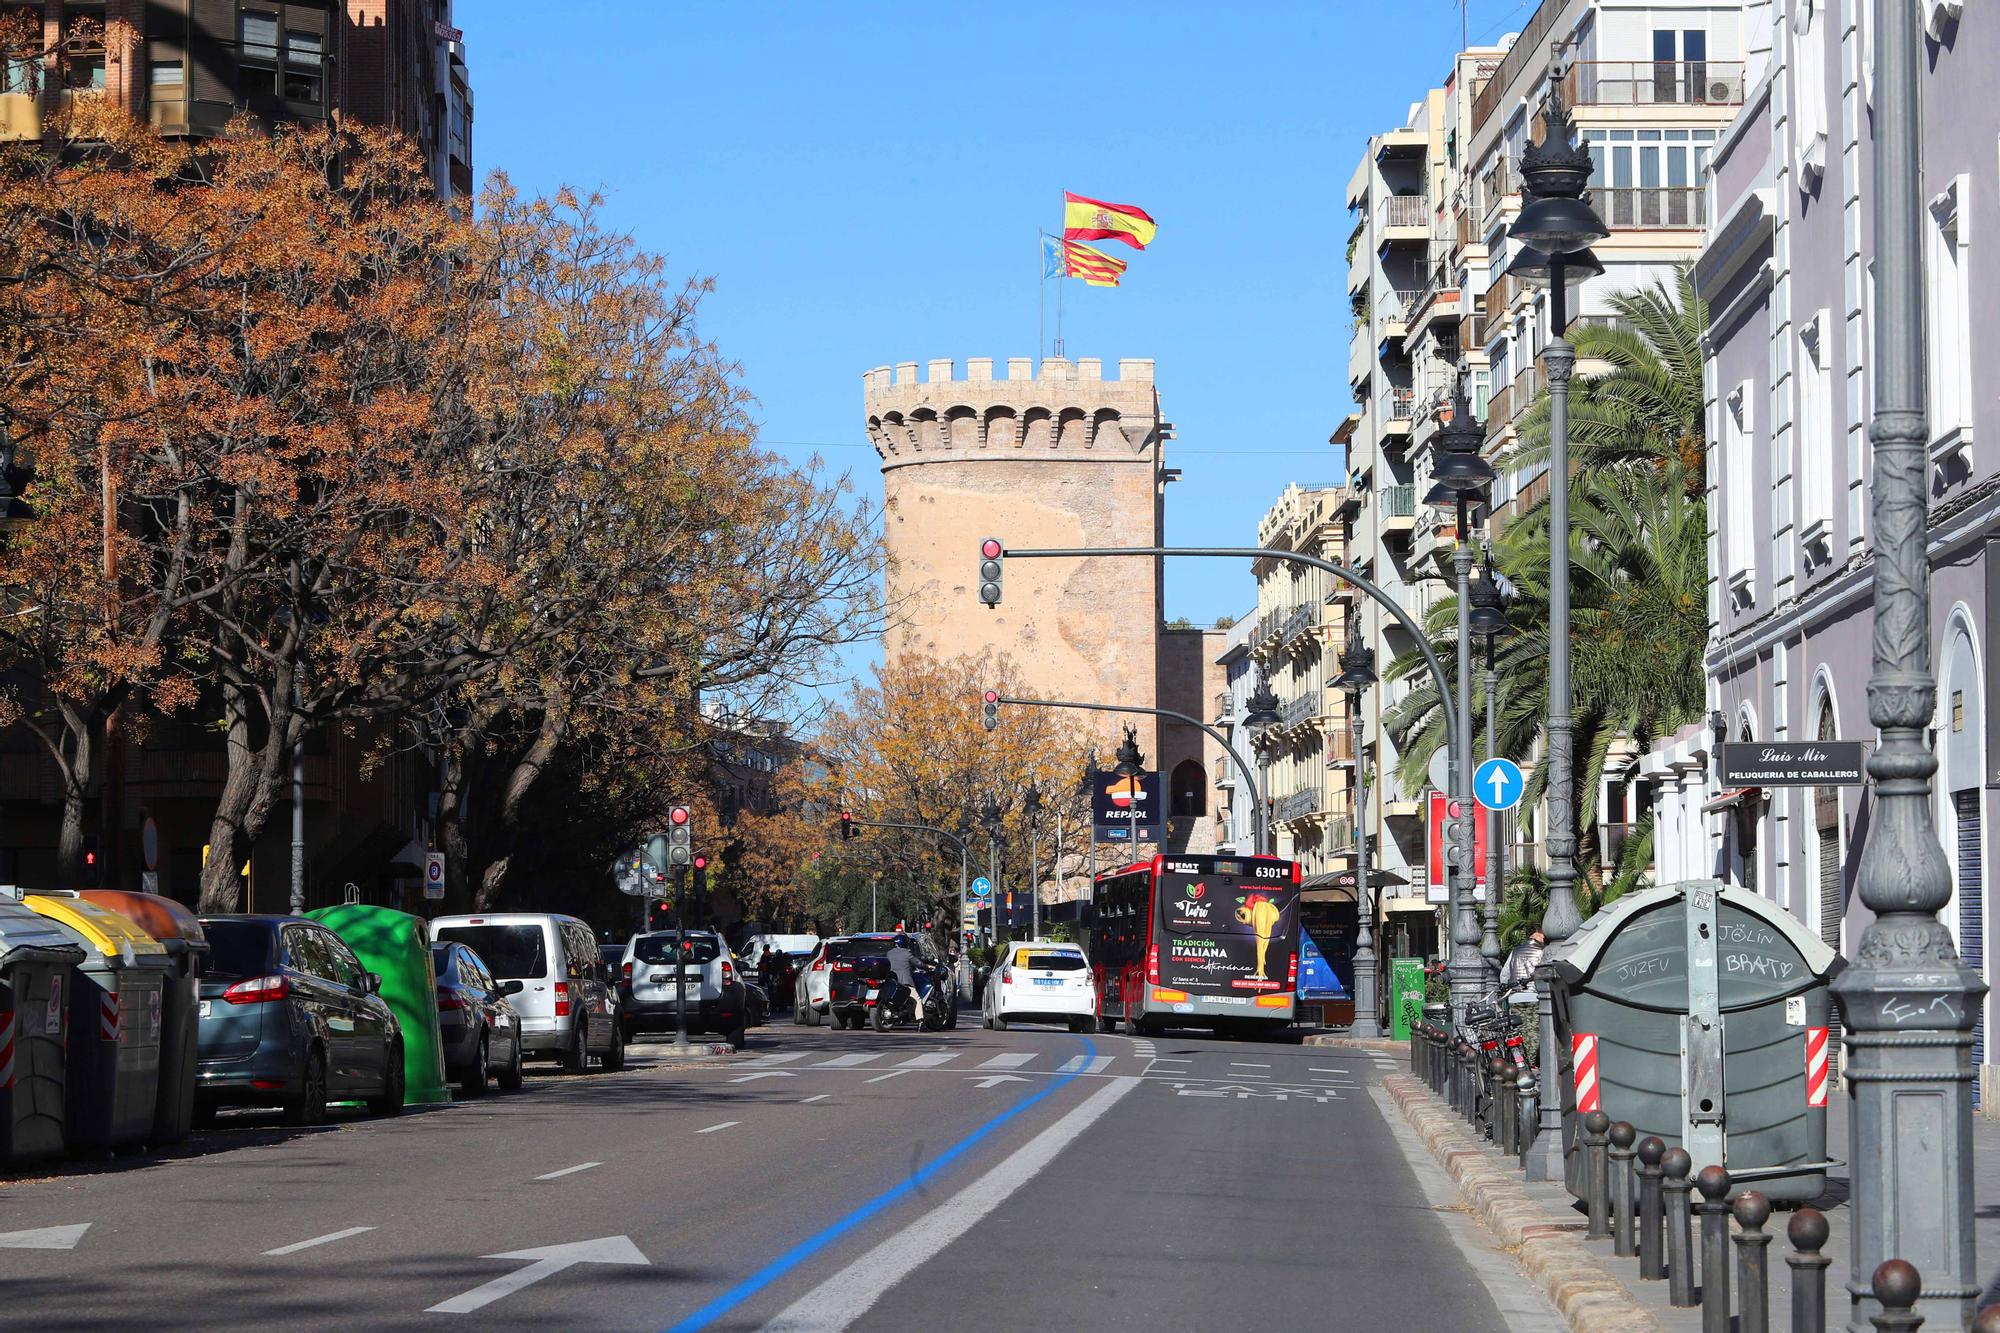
1260 711
1357 673
1132 764
1489 619
1461 476
1556 221
1909 1003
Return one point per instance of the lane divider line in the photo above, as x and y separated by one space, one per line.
724 1125
883 1078
327 1239
816 1097
798 1254
569 1171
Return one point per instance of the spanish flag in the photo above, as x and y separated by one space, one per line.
1067 259
1094 220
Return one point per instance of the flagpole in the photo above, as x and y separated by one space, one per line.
1041 292
1061 274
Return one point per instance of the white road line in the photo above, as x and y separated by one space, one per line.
884 1078
327 1239
844 1298
763 1061
816 1097
1249 1064
1086 1064
1317 1070
848 1061
1011 1060
1170 1059
929 1061
724 1125
569 1170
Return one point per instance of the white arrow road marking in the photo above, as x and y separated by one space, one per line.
724 1125
842 1299
547 1261
47 1238
995 1080
749 1078
1012 1060
930 1061
327 1239
569 1170
847 1061
1086 1064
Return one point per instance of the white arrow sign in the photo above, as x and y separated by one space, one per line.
548 1261
48 1238
775 1073
994 1080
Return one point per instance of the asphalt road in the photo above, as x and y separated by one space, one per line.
1031 1179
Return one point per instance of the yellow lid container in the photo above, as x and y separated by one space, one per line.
104 930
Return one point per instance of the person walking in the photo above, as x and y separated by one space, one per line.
1517 975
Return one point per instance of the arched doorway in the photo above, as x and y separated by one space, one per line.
1189 795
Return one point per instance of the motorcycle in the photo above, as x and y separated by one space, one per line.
891 1002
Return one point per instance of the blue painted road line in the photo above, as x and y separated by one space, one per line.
812 1245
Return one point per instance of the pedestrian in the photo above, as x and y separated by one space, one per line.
1517 976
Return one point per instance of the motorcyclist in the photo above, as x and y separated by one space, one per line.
902 960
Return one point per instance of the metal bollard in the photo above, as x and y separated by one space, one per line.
1713 1182
1496 1070
1807 1231
1674 1168
1623 1241
1503 1106
1896 1285
1597 1175
1527 1114
1753 1263
1652 1238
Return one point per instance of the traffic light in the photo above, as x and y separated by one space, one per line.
990 713
91 868
846 826
990 554
659 914
680 835
700 874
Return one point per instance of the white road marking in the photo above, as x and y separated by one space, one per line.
852 1292
44 1238
1011 1060
848 1061
548 1260
816 1097
569 1170
784 1059
724 1125
1249 1064
1086 1064
930 1061
1317 1070
995 1080
327 1239
751 1078
1170 1059
884 1078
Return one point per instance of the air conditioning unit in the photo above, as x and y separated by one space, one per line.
1720 91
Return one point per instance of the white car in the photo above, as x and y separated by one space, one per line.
796 946
1042 981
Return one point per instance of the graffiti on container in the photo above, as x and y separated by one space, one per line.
1921 1009
1758 965
1640 969
1744 932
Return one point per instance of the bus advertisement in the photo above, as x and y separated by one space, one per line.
1198 941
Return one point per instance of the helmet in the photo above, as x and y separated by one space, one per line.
902 941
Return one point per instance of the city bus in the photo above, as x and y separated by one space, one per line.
1198 941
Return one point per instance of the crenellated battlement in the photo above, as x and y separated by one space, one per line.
1064 407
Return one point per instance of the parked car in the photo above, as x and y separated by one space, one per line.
715 991
845 979
797 947
756 1005
568 1004
289 1017
480 1030
1041 981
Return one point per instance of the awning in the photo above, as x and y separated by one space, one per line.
1733 797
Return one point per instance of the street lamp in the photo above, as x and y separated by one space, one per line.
1260 713
1555 220
1357 673
1462 475
1532 266
1132 766
1489 619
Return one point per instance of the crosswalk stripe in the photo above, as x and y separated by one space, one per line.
930 1061
767 1060
1011 1060
849 1061
1086 1064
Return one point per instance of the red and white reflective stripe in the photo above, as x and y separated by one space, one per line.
6 1049
1583 1053
1816 1067
107 1017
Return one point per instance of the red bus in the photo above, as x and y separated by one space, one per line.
1198 941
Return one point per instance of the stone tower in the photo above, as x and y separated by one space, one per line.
1063 457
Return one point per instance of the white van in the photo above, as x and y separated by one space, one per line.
754 948
568 1004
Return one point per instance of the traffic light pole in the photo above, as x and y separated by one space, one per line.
680 960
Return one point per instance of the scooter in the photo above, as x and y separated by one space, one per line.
892 1002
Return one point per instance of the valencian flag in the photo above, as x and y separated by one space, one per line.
1094 220
1067 259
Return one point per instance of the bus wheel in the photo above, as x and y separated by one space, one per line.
1136 1026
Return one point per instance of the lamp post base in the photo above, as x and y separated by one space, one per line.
1544 1159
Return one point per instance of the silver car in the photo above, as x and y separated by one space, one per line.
568 1007
716 996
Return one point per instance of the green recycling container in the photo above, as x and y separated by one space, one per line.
179 932
38 963
397 947
1406 996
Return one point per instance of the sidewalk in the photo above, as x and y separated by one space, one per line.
1606 1292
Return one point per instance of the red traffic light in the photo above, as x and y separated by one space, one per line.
677 815
701 863
993 696
990 548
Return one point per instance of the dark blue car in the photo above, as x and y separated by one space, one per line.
290 1018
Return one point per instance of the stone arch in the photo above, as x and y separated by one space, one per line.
900 430
1104 425
1188 791
1003 428
1037 429
961 426
1072 426
925 428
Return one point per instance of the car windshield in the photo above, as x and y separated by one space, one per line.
509 951
1049 960
660 948
238 948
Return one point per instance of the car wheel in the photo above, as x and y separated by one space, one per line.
473 1082
999 1022
951 1018
881 1018
798 1012
390 1100
307 1106
577 1055
614 1059
1135 1026
1083 1026
630 1028
813 1016
204 1113
511 1077
737 1038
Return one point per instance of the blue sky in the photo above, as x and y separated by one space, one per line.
864 181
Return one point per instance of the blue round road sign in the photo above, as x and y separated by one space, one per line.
1497 784
982 887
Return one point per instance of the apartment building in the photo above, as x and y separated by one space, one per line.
1234 811
188 66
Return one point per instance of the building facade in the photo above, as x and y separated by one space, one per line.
1235 813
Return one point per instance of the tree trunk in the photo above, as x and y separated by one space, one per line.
527 770
250 787
453 840
76 769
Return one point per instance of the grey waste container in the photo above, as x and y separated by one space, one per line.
1698 1012
38 964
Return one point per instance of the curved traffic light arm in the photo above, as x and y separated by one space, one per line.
964 856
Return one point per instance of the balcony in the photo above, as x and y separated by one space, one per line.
1305 708
1301 621
1399 510
1495 186
1392 317
1527 387
1339 747
190 117
1403 217
1400 407
1225 708
1264 634
1339 832
1654 83
1297 805
1637 208
1499 410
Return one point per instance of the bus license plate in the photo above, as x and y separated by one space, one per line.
1183 1008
